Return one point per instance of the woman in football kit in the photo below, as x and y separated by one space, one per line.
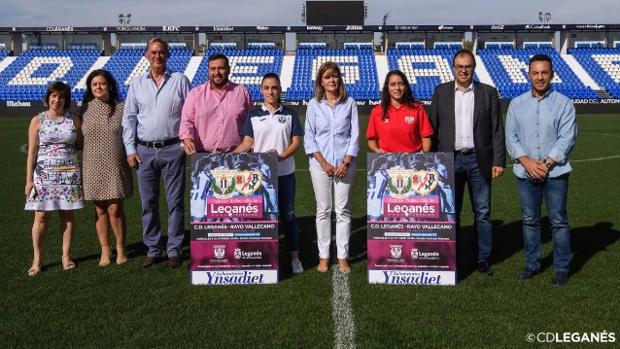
271 127
399 124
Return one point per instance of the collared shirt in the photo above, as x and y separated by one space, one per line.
464 117
213 118
274 131
152 112
403 129
333 131
541 128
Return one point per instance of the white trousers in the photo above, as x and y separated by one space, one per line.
332 192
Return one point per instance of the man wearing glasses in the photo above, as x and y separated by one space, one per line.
467 121
540 133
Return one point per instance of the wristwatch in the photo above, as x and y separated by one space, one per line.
346 164
547 162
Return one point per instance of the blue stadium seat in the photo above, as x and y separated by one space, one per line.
603 65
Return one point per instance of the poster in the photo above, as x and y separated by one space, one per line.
234 219
411 219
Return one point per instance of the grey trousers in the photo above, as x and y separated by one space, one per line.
169 163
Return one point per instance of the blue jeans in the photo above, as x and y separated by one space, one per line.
286 207
554 191
466 170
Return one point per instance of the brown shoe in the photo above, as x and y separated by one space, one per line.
174 262
343 266
323 265
149 262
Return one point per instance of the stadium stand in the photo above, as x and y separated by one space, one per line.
603 65
508 69
357 65
247 67
28 76
425 68
127 63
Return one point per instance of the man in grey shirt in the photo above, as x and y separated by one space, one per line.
150 134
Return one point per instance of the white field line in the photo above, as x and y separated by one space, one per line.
342 312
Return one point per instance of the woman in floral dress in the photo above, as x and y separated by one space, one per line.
53 178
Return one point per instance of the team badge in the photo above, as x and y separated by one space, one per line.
237 253
424 182
409 119
219 251
248 182
400 182
396 251
223 183
282 119
415 253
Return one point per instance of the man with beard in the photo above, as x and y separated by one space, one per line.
214 112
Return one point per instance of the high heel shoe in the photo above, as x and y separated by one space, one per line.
106 256
121 255
67 263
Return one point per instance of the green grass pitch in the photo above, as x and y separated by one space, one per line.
128 307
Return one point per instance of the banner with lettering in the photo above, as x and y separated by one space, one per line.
411 219
234 218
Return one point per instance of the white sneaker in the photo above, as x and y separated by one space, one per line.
296 266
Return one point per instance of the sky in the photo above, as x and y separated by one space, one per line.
283 12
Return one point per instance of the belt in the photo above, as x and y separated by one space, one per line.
159 144
465 151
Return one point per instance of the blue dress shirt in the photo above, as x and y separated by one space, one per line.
152 112
541 128
333 131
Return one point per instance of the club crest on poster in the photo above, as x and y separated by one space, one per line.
411 219
234 211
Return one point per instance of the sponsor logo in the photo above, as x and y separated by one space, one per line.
423 255
354 27
445 27
17 104
396 251
590 26
219 251
241 254
223 28
170 28
234 277
497 27
60 29
374 102
411 278
247 182
131 28
406 27
262 27
314 27
537 26
409 119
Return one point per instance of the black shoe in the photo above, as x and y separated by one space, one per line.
528 273
485 268
174 262
149 262
560 278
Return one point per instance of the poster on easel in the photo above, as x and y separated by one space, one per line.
234 219
411 219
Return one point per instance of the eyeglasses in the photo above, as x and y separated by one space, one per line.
464 67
